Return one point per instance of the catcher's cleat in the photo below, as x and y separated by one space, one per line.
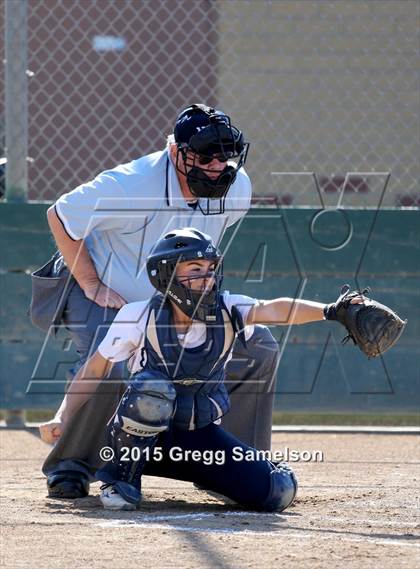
68 485
112 500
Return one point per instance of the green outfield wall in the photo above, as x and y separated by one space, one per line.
301 253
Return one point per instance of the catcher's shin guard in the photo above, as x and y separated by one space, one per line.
145 410
283 488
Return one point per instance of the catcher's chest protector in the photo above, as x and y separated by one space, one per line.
197 373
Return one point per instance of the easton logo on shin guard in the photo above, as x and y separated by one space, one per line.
132 427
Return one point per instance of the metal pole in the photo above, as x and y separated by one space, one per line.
15 418
16 118
16 104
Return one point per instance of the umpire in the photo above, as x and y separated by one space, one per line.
104 230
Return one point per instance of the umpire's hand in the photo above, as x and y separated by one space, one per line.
51 431
104 296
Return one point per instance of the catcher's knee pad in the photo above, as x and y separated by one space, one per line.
147 406
283 488
145 411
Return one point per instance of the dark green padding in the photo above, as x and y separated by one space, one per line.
274 252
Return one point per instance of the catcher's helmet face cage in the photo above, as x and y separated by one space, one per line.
185 245
204 134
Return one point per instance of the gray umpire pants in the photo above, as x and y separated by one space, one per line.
251 380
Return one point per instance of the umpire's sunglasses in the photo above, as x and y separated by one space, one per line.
202 159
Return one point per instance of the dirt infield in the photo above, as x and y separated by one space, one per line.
358 507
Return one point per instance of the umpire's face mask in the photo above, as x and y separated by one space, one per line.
211 161
209 176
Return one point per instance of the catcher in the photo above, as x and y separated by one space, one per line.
178 344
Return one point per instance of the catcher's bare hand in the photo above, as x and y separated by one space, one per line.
104 296
51 431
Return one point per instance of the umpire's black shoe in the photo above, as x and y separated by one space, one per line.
67 485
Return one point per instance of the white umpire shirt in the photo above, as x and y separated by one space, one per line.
123 212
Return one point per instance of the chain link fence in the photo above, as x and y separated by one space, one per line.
326 91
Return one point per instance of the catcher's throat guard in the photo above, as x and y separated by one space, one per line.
372 326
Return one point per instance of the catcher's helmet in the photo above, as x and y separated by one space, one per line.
208 134
184 245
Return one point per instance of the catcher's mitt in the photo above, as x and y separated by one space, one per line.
373 327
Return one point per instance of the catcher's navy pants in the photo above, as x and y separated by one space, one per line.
251 378
221 463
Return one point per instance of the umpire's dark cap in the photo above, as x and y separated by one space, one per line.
193 119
